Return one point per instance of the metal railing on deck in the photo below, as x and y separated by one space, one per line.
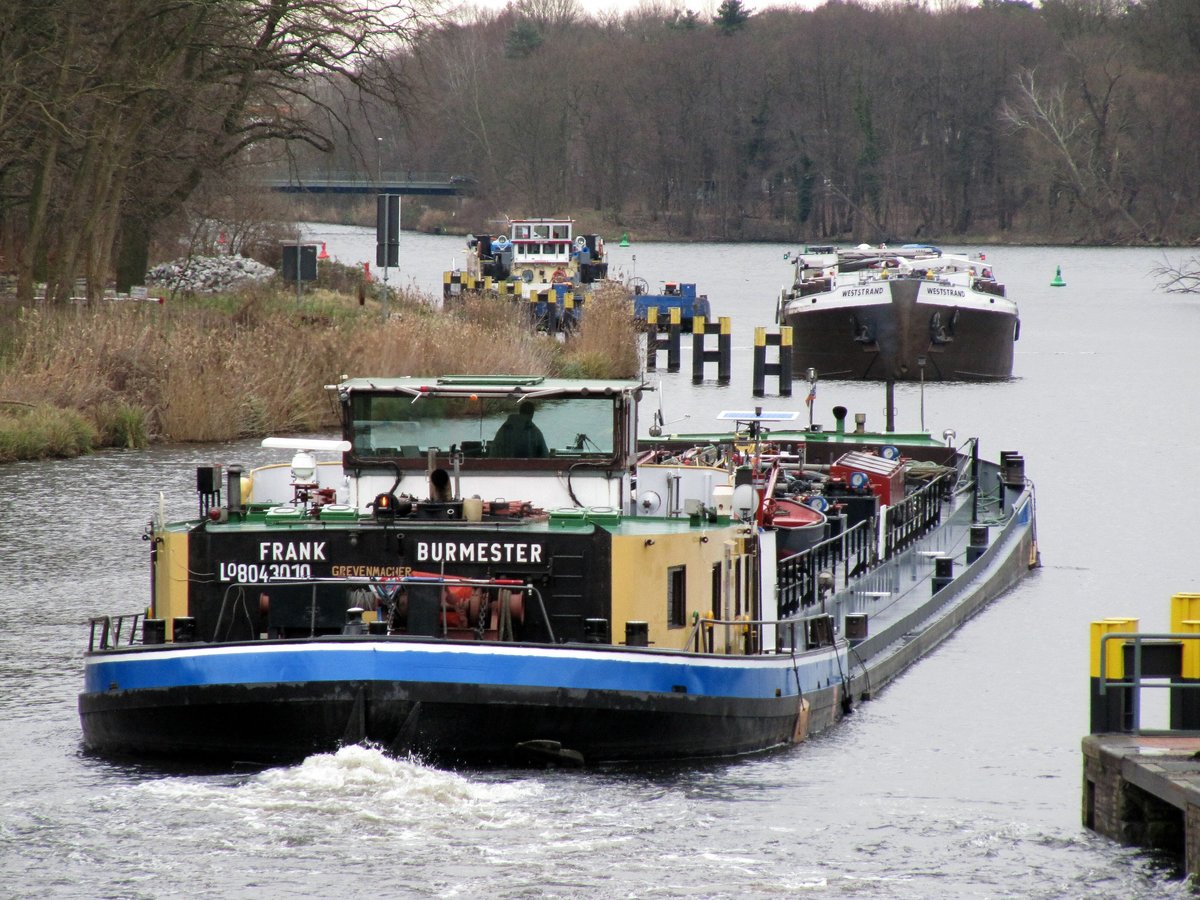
857 549
744 636
913 516
847 554
111 629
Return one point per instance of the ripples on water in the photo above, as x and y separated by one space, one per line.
961 780
358 821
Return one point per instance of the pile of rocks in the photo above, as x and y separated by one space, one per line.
207 274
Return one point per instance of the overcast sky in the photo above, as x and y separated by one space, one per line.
703 7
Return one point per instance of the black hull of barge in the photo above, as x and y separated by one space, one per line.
450 724
470 724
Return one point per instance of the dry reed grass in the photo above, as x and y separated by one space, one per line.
607 343
255 364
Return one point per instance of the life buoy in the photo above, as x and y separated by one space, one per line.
500 243
558 277
581 243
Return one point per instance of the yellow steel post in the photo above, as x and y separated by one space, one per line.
1190 667
1114 665
1184 606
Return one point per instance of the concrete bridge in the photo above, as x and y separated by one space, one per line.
425 183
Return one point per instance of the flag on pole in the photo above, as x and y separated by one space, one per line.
812 394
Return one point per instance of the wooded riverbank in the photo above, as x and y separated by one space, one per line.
1070 121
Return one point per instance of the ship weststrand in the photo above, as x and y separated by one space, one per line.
912 313
496 570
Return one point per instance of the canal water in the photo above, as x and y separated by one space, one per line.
962 779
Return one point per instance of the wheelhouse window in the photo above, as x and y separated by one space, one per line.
677 596
533 250
395 426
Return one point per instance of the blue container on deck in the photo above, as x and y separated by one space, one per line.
674 295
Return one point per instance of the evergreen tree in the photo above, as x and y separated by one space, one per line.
522 40
731 16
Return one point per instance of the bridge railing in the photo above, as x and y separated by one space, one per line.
386 176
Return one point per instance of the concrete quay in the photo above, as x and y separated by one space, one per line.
1144 790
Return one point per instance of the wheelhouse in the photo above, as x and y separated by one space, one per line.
407 422
542 242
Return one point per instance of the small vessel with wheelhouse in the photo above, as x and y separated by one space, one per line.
542 262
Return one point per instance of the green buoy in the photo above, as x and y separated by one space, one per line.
625 239
1058 279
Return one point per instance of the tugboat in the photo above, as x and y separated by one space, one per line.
496 570
541 261
907 314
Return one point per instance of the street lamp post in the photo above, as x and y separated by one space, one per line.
812 395
921 367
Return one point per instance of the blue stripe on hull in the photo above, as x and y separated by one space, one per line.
449 663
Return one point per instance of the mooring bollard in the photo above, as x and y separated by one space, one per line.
978 543
656 342
1185 689
856 628
1185 701
1112 710
652 340
723 329
943 572
572 310
637 634
533 312
781 368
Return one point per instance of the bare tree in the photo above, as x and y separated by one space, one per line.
1079 141
550 14
138 103
1179 279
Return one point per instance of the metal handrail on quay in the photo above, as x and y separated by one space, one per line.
1144 660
